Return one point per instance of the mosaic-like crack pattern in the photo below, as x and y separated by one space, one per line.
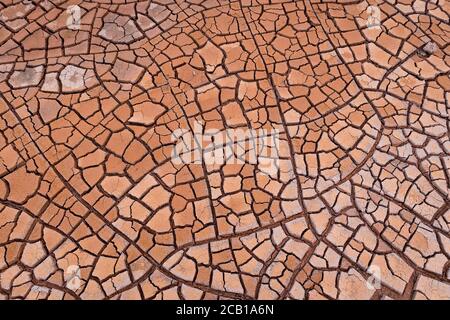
92 207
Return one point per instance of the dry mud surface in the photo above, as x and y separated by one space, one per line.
352 204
